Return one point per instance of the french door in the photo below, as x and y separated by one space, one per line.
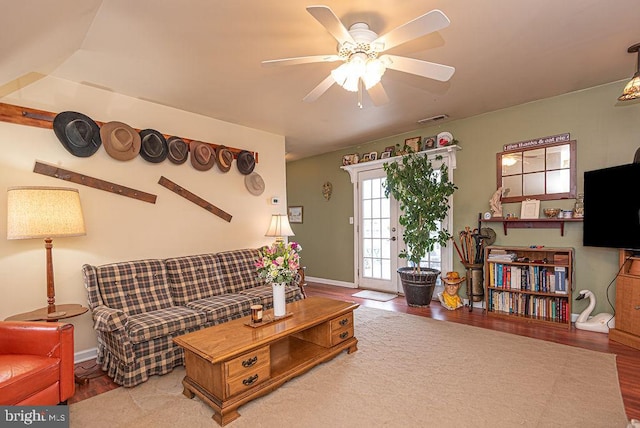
377 234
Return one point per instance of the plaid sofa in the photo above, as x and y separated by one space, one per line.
138 307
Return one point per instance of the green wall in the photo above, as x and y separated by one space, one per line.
606 134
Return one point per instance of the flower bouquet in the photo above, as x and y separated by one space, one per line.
279 263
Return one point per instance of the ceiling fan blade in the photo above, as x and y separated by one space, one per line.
300 60
422 25
331 22
378 94
319 90
427 69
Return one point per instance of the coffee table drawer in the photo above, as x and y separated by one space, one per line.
339 336
248 380
342 322
247 363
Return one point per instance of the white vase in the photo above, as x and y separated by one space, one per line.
279 301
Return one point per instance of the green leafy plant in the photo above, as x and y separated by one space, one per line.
422 192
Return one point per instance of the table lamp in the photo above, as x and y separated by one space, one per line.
279 227
44 212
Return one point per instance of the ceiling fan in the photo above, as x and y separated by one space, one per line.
360 49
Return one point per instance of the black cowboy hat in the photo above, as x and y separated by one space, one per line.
153 147
246 162
78 133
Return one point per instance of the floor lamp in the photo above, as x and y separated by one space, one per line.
279 227
44 212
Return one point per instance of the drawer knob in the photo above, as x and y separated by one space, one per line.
344 335
344 322
637 307
251 361
250 380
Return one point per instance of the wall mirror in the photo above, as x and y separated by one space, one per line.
543 172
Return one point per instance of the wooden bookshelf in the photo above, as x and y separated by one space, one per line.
529 284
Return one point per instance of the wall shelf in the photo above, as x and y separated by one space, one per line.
533 223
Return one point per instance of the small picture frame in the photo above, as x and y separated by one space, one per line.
530 209
430 142
413 143
295 214
373 156
385 155
390 149
366 157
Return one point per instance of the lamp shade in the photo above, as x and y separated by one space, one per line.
632 89
43 212
279 226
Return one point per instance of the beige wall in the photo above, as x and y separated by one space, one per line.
606 133
121 228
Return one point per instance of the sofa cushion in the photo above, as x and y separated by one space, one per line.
194 277
164 322
134 287
265 294
23 375
225 307
238 269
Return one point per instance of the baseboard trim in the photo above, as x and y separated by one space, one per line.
331 282
86 355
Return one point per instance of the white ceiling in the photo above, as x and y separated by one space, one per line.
204 56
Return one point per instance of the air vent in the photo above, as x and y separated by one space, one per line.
433 119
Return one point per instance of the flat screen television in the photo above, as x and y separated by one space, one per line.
612 207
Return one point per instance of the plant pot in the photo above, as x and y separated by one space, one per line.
418 286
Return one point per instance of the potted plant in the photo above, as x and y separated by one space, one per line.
423 197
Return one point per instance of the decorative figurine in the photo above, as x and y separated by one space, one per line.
496 204
327 189
449 297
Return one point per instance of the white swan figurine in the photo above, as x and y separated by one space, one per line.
600 323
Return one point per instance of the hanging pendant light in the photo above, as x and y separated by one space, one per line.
632 90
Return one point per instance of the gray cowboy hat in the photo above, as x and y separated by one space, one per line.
254 183
178 150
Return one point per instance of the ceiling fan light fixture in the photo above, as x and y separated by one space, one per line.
632 89
373 73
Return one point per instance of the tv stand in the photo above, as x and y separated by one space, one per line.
627 329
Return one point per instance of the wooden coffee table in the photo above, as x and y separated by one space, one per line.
232 363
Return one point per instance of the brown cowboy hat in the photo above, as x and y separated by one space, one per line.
452 278
254 183
121 141
202 155
224 158
154 147
178 150
78 133
246 162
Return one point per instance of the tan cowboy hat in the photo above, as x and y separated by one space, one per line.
254 183
452 278
178 150
224 158
202 155
121 141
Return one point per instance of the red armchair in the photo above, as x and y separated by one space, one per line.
36 363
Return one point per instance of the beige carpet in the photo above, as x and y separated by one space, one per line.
408 371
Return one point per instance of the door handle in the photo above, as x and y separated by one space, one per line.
393 238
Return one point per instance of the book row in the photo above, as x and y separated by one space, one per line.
548 308
544 279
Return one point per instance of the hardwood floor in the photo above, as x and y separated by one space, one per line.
628 359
